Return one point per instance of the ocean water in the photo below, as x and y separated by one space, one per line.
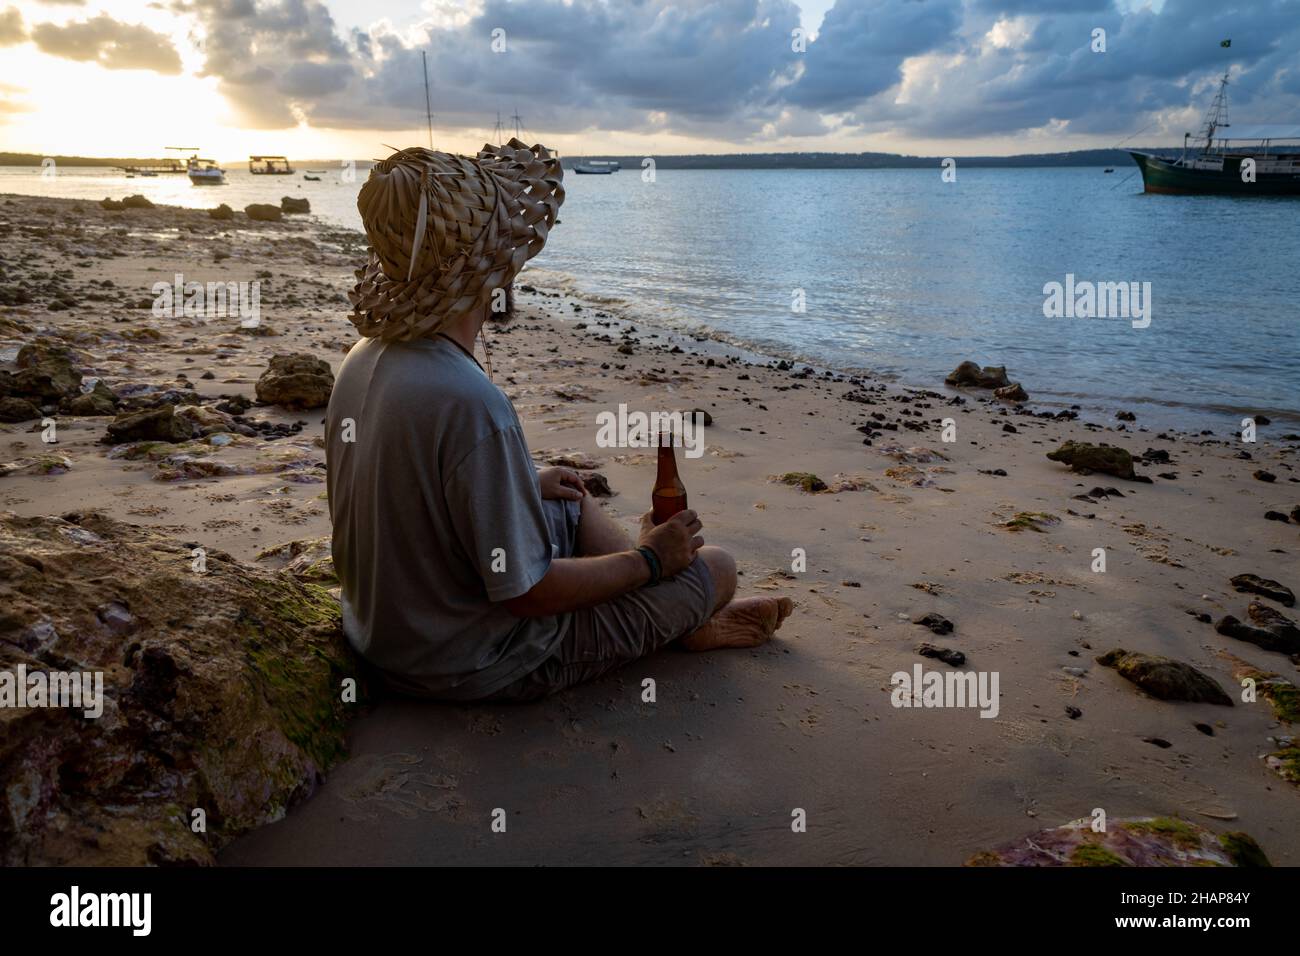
903 274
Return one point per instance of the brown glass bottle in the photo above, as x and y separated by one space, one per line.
669 495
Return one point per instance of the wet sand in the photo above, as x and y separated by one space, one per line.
711 772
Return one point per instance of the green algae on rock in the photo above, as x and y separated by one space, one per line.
1086 458
310 560
1165 678
1145 841
1033 520
802 479
222 693
1284 697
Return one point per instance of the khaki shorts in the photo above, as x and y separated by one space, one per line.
605 637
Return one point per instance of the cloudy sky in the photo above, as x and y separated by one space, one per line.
340 78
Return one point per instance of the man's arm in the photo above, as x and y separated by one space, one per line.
574 583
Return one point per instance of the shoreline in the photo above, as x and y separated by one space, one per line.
984 531
912 373
1098 411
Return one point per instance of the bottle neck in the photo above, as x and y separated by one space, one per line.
667 473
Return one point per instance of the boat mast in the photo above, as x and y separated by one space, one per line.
1217 117
428 115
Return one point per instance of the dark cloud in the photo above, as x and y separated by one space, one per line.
567 66
862 44
113 45
724 69
11 27
1016 7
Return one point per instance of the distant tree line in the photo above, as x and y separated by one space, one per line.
1082 157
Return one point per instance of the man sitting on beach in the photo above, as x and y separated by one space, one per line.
467 573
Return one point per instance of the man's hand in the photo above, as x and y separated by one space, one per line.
561 483
675 541
573 583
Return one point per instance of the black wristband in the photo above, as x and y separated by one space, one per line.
652 559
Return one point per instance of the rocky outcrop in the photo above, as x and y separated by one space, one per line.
1271 630
289 204
1265 587
222 692
1014 392
100 400
597 485
263 212
152 424
46 374
1284 698
1086 458
969 374
14 409
296 381
1164 678
222 212
307 559
1147 841
130 202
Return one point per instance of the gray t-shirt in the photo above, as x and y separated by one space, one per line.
437 519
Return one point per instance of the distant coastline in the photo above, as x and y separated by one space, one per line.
1081 157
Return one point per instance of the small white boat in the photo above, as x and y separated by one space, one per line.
205 172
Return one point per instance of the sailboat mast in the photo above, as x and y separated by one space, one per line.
428 114
1217 117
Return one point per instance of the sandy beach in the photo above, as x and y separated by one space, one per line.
984 531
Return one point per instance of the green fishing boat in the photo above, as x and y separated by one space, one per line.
1255 161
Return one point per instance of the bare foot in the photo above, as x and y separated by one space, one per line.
747 622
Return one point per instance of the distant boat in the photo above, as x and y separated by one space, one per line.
1215 166
597 167
1109 169
314 179
205 172
153 169
269 166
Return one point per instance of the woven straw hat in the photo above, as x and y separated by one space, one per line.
445 231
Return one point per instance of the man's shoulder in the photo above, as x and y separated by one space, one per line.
428 378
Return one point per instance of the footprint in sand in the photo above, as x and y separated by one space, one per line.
394 783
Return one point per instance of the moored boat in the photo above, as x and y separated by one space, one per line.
205 172
269 166
1256 161
597 167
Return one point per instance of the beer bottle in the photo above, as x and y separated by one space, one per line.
669 495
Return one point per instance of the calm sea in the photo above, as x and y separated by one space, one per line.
902 273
